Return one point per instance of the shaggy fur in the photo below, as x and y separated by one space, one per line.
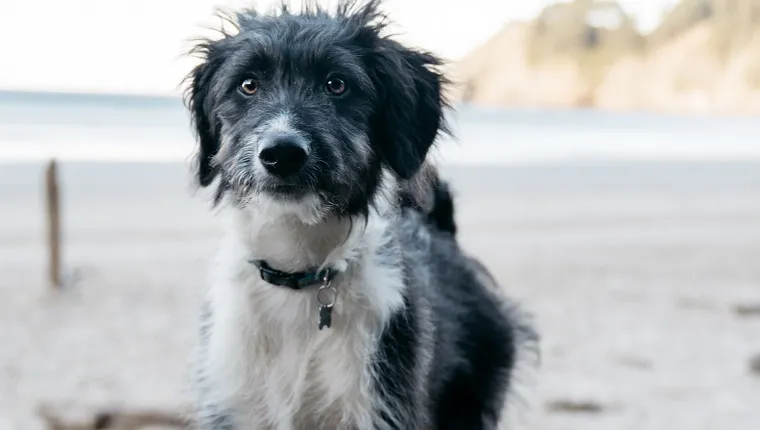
315 128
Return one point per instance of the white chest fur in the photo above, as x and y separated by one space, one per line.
267 362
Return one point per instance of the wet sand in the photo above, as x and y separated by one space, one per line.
632 271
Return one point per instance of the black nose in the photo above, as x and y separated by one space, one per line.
284 156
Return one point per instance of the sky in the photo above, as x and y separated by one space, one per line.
137 46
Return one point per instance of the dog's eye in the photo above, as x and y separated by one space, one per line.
336 86
249 86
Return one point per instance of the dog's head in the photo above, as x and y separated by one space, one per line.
312 107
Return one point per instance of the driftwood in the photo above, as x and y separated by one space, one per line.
575 406
747 310
754 365
112 418
52 204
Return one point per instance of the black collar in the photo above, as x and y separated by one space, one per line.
295 281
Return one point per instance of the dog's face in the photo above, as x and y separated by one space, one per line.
311 107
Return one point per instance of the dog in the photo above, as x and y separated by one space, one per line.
340 298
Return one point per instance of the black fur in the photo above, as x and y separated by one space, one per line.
397 361
439 211
474 336
390 115
441 216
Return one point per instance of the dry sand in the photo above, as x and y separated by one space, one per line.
633 273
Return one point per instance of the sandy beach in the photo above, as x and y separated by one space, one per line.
633 272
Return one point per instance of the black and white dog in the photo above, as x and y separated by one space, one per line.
340 298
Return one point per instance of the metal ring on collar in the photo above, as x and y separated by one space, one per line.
327 295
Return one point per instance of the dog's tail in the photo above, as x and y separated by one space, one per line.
431 196
441 215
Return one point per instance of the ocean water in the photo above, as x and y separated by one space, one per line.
88 127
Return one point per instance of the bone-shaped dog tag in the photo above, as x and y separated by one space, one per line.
325 316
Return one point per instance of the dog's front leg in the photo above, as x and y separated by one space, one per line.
213 419
209 415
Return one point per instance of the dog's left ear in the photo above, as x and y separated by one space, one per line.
410 108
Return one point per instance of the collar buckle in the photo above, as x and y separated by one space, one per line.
294 281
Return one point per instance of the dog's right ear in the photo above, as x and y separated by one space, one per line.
200 102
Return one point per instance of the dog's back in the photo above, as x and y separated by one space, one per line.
460 317
483 332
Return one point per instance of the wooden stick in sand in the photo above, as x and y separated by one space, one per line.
53 223
58 418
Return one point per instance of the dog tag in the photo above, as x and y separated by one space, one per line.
326 296
325 316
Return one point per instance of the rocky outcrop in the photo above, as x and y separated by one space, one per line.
499 73
680 68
